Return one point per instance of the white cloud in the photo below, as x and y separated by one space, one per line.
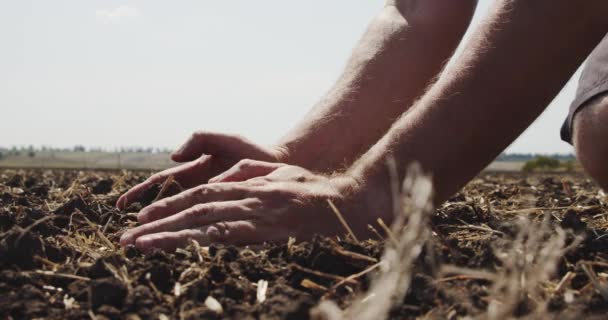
118 13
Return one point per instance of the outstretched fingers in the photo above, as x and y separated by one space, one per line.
183 174
198 216
230 233
228 145
190 198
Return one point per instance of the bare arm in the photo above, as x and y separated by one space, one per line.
402 50
513 66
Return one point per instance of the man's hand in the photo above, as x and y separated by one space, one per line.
205 155
287 201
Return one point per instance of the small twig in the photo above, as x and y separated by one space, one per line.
490 207
375 232
566 187
387 230
353 255
601 289
479 274
595 263
560 285
164 188
356 275
32 226
100 234
342 220
197 248
547 209
601 237
311 285
47 262
474 227
321 274
62 275
462 277
105 227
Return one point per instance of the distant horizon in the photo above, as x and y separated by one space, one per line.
169 150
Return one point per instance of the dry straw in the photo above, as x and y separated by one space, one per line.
528 262
409 234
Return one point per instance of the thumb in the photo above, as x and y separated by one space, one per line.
245 170
202 142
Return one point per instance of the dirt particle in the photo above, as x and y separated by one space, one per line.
109 291
103 186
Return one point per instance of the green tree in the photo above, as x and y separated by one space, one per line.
542 163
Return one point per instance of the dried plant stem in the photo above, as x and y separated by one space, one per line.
342 220
47 262
387 230
164 188
105 227
101 236
560 285
529 210
311 285
321 274
62 275
32 226
353 256
375 232
462 277
479 228
601 289
466 272
356 275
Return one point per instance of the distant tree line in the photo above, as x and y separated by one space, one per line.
31 150
543 163
524 157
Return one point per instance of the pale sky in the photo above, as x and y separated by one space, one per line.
148 73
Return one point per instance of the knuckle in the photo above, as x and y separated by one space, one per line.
279 193
258 182
201 193
198 134
245 164
238 138
219 231
155 177
191 214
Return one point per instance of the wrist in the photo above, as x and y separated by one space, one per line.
361 201
305 155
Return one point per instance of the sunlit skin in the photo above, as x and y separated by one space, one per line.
589 128
511 68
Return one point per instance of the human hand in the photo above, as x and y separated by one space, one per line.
281 201
205 155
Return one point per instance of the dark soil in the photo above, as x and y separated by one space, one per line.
60 257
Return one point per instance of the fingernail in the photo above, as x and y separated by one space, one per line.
126 239
141 216
143 244
141 219
179 150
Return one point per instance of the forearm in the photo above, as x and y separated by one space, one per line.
402 50
515 63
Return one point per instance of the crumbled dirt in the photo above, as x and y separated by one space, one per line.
60 257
